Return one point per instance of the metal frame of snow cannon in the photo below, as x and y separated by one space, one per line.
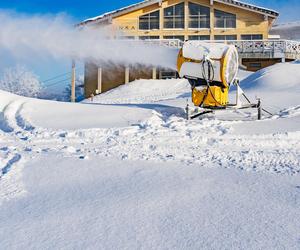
211 69
238 105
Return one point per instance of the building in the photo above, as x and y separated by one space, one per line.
222 20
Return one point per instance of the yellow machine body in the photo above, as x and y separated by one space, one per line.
212 96
224 64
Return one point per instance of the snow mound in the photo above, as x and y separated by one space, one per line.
17 112
279 77
141 91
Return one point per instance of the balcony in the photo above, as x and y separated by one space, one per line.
253 48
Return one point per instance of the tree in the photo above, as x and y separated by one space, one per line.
20 81
79 90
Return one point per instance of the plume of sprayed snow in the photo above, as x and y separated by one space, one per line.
29 36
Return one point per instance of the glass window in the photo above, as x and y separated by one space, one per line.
255 65
199 16
224 20
149 37
181 38
252 37
174 17
167 74
149 21
202 38
225 37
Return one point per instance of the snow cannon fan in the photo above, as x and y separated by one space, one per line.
210 68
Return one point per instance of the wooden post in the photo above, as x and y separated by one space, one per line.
73 94
154 73
99 86
126 75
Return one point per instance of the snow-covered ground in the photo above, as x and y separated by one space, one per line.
127 171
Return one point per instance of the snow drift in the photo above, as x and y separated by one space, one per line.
279 77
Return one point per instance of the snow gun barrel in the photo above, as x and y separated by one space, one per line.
210 68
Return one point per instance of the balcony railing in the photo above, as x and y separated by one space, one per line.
268 49
252 48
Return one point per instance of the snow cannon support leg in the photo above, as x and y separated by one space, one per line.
259 109
187 112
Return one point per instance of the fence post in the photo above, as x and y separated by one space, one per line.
259 109
73 87
187 112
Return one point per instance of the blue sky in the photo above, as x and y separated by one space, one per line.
80 9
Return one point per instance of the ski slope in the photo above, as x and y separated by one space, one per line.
127 171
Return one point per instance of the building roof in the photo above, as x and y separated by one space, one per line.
145 3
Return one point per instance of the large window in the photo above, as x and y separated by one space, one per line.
181 38
149 21
225 37
224 20
149 37
174 17
202 38
252 37
199 16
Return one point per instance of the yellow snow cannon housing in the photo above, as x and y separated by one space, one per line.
210 68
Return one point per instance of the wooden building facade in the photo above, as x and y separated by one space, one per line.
222 20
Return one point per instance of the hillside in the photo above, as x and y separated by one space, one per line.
288 31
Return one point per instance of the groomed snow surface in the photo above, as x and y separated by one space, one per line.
127 171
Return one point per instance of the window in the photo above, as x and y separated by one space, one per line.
225 37
148 37
224 20
202 38
181 38
255 65
174 17
252 37
199 16
149 21
167 74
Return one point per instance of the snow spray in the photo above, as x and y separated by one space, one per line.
56 36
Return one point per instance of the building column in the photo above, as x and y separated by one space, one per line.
154 73
126 75
99 85
283 59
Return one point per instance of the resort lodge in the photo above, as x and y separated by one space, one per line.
221 20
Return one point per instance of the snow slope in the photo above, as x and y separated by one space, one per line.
143 91
289 31
55 115
149 91
127 171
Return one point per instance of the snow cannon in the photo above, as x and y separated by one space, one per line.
210 68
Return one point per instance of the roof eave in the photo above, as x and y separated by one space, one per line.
260 10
